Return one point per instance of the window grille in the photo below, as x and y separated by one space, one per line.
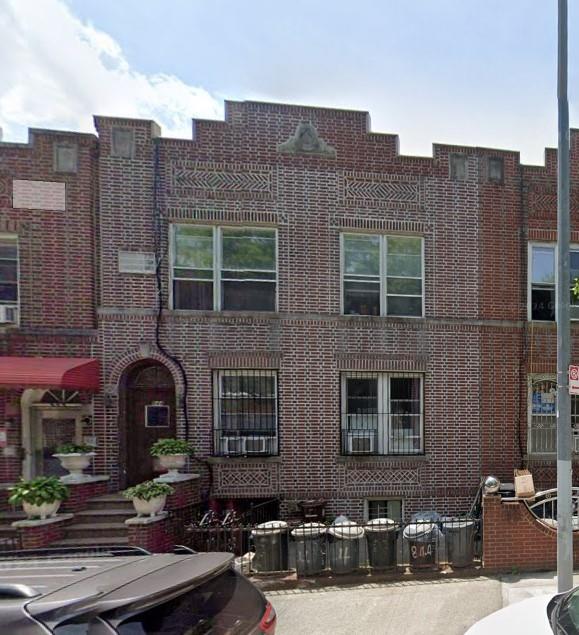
382 413
246 413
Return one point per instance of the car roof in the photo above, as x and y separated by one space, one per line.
78 583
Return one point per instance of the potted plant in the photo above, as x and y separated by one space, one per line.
172 455
148 497
40 497
74 458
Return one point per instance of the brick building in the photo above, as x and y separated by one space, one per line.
336 320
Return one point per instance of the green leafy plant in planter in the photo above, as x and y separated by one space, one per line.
163 447
43 489
40 497
148 490
172 456
74 448
148 497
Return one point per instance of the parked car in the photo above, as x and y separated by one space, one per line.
541 615
128 591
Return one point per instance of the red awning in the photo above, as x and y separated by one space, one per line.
69 373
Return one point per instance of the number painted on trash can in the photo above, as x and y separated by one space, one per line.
421 551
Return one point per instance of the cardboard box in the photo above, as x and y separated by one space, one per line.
524 486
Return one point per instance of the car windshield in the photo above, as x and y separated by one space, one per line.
225 605
568 615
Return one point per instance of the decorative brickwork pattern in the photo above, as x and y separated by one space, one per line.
208 179
377 189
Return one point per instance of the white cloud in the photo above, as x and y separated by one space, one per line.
57 71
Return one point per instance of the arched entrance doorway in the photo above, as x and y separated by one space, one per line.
147 399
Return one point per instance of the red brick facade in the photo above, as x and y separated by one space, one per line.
513 538
474 347
57 264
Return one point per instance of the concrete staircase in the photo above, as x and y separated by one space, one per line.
103 523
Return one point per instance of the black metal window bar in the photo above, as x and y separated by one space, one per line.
246 413
382 413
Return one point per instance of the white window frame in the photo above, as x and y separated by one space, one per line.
397 499
217 261
14 238
384 415
553 246
234 372
383 273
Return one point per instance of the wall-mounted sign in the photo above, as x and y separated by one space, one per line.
574 380
136 262
157 416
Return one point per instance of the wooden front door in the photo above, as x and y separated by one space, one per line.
149 414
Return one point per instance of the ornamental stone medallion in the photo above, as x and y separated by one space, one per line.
307 141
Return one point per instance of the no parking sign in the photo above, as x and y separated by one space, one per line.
574 380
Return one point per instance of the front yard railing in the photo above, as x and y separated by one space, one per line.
317 549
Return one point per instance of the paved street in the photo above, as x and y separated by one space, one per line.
439 607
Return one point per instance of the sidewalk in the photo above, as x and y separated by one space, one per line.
413 607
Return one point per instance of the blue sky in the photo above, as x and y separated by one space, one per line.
477 72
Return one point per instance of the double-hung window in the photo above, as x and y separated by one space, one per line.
382 275
245 412
224 268
8 278
542 281
382 413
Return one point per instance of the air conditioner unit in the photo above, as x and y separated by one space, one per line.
576 442
360 442
8 313
256 445
233 445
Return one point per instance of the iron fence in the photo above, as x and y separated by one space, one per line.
317 549
10 543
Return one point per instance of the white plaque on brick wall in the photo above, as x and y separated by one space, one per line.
136 262
46 195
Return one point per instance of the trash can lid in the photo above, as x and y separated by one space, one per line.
270 527
456 524
309 530
380 524
418 530
346 531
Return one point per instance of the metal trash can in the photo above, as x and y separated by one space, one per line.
422 541
309 540
381 536
271 546
459 534
344 546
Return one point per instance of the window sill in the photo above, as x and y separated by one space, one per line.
355 316
387 459
216 460
550 457
205 313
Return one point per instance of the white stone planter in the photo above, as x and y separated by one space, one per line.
43 511
173 463
75 464
149 508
